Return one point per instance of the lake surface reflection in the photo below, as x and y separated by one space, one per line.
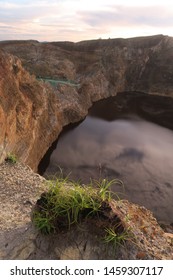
131 149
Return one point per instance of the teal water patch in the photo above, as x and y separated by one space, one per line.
55 82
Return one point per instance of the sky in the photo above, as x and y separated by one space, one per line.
77 20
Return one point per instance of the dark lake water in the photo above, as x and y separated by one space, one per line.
138 152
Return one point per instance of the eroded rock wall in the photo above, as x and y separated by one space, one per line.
141 64
29 113
32 113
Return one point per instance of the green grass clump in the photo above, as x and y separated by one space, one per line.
116 238
68 203
11 158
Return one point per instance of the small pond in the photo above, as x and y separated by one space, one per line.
126 147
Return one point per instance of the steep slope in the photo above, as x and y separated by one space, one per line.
33 112
28 112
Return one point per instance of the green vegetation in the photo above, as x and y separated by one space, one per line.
67 203
55 82
116 238
11 158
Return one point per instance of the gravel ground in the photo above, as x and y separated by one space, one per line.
20 187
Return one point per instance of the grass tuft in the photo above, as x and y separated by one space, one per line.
116 238
11 158
67 203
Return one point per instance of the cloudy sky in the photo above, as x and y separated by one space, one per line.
76 20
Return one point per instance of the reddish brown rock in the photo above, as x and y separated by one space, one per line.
29 113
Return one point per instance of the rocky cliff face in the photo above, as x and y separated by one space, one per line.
142 64
28 112
33 113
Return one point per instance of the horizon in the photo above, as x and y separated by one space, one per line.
93 39
81 20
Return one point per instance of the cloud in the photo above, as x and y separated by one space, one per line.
55 20
6 27
27 12
132 154
26 18
80 19
124 16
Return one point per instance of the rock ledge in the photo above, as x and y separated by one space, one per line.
20 188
